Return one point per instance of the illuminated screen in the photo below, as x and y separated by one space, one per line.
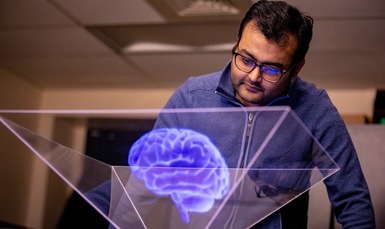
193 189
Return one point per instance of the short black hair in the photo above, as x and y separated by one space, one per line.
276 19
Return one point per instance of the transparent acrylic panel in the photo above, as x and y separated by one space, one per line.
198 168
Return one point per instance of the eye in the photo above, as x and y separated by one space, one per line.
247 61
271 70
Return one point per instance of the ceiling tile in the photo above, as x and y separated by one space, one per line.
192 34
104 12
25 13
171 70
120 43
78 72
49 43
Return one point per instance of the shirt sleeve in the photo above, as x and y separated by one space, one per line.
347 188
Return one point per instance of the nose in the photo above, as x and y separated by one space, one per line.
255 75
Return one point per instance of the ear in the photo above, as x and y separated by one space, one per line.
298 68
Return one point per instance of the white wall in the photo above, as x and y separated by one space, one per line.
16 161
354 102
105 99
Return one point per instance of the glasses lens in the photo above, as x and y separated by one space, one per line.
243 63
271 74
271 70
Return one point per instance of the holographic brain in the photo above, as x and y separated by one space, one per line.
183 164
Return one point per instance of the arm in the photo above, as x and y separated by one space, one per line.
347 189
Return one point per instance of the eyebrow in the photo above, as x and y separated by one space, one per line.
264 63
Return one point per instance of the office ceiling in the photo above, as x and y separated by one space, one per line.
60 44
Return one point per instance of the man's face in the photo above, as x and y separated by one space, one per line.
250 88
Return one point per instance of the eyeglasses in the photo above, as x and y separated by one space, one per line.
269 73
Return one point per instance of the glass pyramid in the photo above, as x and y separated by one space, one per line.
198 168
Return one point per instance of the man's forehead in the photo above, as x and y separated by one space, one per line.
281 38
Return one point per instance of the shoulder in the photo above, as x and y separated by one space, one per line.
304 93
303 87
206 82
312 104
197 91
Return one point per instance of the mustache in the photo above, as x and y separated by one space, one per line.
253 83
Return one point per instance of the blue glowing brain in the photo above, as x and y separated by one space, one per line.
183 164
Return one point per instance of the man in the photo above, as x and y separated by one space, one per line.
273 40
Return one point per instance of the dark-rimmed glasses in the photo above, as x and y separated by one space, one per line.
269 73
